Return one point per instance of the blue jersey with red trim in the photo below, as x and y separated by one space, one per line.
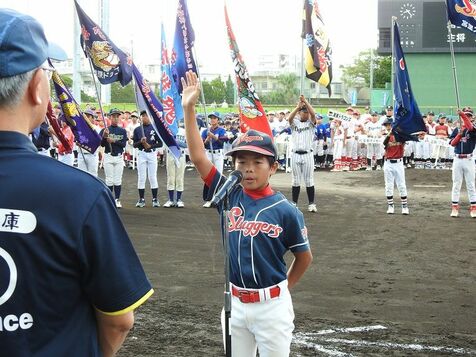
261 231
216 144
64 253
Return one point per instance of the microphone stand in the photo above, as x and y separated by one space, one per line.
227 294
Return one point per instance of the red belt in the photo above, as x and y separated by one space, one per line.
251 296
464 156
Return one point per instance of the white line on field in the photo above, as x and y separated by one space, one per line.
404 346
348 330
301 339
429 186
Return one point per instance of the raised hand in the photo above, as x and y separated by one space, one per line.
191 89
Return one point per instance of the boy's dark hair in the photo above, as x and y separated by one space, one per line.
271 159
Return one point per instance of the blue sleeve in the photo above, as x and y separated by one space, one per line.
295 230
204 134
112 275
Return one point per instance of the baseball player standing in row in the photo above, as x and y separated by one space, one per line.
302 159
114 142
393 170
464 142
147 141
264 225
176 171
87 161
373 130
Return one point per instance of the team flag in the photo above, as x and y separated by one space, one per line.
148 101
182 56
408 120
171 100
110 63
84 133
53 121
318 52
462 13
252 115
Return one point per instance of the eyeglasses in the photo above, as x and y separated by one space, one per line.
48 71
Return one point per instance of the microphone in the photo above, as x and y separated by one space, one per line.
233 180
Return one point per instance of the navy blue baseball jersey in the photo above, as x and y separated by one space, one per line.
64 253
321 132
120 135
467 142
262 229
216 144
327 130
150 134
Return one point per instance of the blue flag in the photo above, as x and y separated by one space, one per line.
408 120
84 133
182 57
148 101
171 100
462 13
110 63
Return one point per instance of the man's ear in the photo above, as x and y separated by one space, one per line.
34 88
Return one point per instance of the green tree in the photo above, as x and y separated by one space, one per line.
230 91
286 91
121 94
214 91
359 71
68 82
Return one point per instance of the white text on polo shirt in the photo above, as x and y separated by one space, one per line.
251 228
11 323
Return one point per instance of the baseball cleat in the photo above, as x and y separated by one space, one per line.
140 203
405 211
180 204
312 207
390 209
169 204
472 211
207 204
155 202
118 203
454 212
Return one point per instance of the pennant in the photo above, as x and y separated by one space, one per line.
84 133
408 119
462 13
171 100
318 51
110 63
252 115
182 56
53 121
148 101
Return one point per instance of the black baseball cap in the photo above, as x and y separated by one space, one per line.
387 121
389 107
254 141
115 111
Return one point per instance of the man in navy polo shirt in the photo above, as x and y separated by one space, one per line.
69 276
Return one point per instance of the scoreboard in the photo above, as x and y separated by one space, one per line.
423 27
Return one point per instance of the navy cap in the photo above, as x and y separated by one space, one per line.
255 141
303 109
389 107
23 44
115 111
387 121
442 115
431 113
214 114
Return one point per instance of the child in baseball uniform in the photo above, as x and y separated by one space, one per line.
263 226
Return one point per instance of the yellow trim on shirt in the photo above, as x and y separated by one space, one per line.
131 307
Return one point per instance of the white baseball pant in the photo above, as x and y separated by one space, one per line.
303 169
265 326
374 150
175 173
67 159
463 168
89 162
147 168
394 174
216 158
113 169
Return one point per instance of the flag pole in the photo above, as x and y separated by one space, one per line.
453 59
302 66
394 20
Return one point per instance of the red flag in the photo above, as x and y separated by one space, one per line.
56 127
252 115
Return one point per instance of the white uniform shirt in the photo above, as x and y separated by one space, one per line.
302 135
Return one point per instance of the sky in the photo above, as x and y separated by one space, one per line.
261 27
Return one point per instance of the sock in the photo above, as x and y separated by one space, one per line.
295 193
379 162
111 188
171 195
117 191
141 193
154 193
310 194
390 200
404 202
369 162
179 195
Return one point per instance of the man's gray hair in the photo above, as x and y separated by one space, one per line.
12 89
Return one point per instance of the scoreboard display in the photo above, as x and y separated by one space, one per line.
423 27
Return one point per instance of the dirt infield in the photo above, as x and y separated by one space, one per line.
379 284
